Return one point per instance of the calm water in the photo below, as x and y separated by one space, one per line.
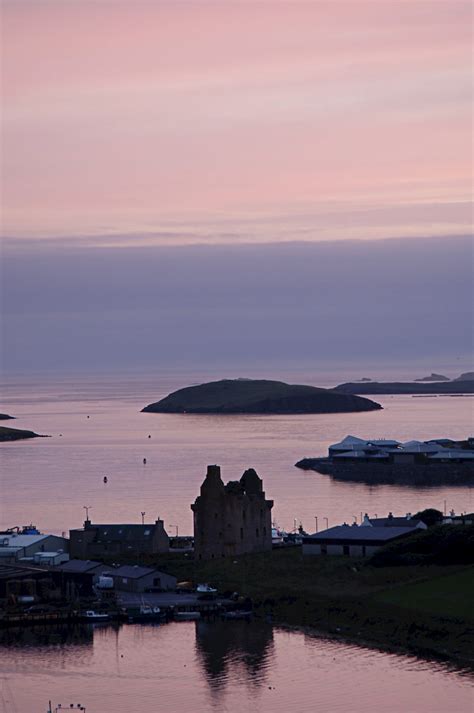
47 481
216 667
230 666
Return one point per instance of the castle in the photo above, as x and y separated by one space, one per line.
231 519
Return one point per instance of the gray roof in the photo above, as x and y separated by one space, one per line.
394 522
122 533
453 454
78 566
350 532
14 540
131 571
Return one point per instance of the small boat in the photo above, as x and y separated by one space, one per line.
145 613
205 589
237 614
91 615
187 615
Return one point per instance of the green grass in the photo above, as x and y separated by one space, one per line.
450 595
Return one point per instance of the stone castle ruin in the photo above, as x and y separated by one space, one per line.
231 519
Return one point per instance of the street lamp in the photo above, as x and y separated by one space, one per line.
87 508
316 520
327 523
176 526
143 517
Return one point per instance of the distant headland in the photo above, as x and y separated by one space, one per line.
259 396
425 387
16 434
5 417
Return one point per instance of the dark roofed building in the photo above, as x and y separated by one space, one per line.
108 540
352 540
392 521
133 578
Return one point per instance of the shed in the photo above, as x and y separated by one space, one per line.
352 540
133 578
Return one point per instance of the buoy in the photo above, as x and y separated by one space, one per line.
149 436
88 417
144 461
105 478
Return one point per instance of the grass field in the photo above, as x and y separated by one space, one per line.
450 595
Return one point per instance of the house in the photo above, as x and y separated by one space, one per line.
15 546
392 521
133 578
352 540
77 578
108 540
463 519
231 519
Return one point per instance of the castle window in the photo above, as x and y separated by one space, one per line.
215 516
264 531
244 515
257 532
261 512
220 535
241 533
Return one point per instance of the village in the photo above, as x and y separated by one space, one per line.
131 572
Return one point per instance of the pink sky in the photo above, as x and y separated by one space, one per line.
236 120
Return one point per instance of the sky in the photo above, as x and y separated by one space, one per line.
236 182
236 121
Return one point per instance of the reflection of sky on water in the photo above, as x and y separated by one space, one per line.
219 666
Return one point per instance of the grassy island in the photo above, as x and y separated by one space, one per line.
16 434
259 396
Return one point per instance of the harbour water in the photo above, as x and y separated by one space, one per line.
218 666
97 430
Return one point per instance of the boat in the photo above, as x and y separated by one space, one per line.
187 615
237 614
205 589
145 613
93 616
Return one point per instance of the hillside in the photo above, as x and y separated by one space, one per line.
441 387
258 396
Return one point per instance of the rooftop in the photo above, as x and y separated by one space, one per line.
354 532
78 566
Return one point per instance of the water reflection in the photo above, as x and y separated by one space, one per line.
223 647
43 635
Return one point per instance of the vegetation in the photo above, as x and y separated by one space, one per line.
442 544
258 396
421 608
15 434
430 516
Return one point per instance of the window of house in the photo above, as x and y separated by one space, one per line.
345 550
147 532
324 549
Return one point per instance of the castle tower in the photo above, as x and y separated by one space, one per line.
231 519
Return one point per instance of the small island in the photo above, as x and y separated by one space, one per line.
434 377
259 396
5 417
454 387
16 434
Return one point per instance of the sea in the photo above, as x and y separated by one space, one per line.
155 464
